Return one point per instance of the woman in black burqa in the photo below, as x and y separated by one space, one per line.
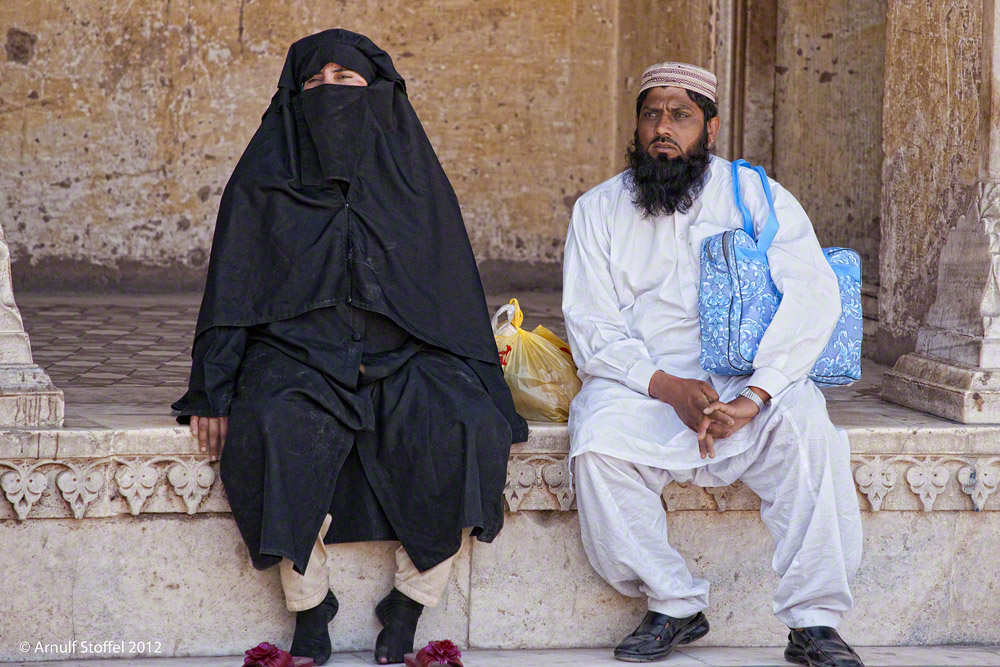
345 343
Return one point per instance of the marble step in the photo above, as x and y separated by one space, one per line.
925 656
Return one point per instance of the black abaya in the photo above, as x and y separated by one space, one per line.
414 449
320 265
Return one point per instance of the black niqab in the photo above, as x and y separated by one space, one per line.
279 240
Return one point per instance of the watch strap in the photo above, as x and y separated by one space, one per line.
747 392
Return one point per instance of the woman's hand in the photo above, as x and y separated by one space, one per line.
211 434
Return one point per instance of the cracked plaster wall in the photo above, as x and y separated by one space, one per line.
120 122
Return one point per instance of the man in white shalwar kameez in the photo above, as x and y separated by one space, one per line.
648 414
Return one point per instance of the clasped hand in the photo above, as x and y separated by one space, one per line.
698 406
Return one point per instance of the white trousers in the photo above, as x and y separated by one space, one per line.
305 591
800 468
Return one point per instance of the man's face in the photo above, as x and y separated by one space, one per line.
332 73
670 123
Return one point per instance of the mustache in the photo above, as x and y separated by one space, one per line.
662 185
665 140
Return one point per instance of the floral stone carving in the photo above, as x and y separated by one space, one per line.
114 485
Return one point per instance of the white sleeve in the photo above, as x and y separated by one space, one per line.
810 303
598 334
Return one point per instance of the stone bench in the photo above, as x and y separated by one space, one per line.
115 526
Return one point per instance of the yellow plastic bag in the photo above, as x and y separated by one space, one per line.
537 366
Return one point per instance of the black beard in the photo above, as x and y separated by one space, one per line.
666 185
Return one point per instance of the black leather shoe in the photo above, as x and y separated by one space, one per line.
658 634
820 646
312 630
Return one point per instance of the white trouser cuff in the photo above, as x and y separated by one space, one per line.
675 608
808 619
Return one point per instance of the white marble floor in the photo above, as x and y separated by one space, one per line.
123 359
925 656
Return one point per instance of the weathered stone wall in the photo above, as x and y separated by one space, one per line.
931 125
759 74
121 122
653 31
185 584
830 62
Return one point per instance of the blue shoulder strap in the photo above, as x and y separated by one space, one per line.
747 220
770 229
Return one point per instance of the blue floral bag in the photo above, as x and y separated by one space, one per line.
737 299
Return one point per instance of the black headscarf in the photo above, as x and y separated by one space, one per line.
282 229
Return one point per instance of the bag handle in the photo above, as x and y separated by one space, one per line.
514 316
770 229
747 220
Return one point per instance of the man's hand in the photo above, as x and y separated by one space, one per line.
740 410
211 434
690 399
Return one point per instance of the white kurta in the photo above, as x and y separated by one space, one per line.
630 300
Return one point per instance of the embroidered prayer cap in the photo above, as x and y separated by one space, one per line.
681 75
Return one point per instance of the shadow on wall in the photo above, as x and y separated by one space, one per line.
128 276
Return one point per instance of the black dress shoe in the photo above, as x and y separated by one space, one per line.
820 646
658 634
312 631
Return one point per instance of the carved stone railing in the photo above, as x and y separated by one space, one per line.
910 483
109 487
92 474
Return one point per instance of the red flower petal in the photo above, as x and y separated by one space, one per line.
442 651
268 655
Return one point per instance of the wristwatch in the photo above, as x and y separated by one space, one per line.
747 392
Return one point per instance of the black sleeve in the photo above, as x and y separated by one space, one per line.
215 361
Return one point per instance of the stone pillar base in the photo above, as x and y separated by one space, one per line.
949 389
955 371
28 397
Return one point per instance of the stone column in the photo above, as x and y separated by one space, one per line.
955 370
27 395
931 149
